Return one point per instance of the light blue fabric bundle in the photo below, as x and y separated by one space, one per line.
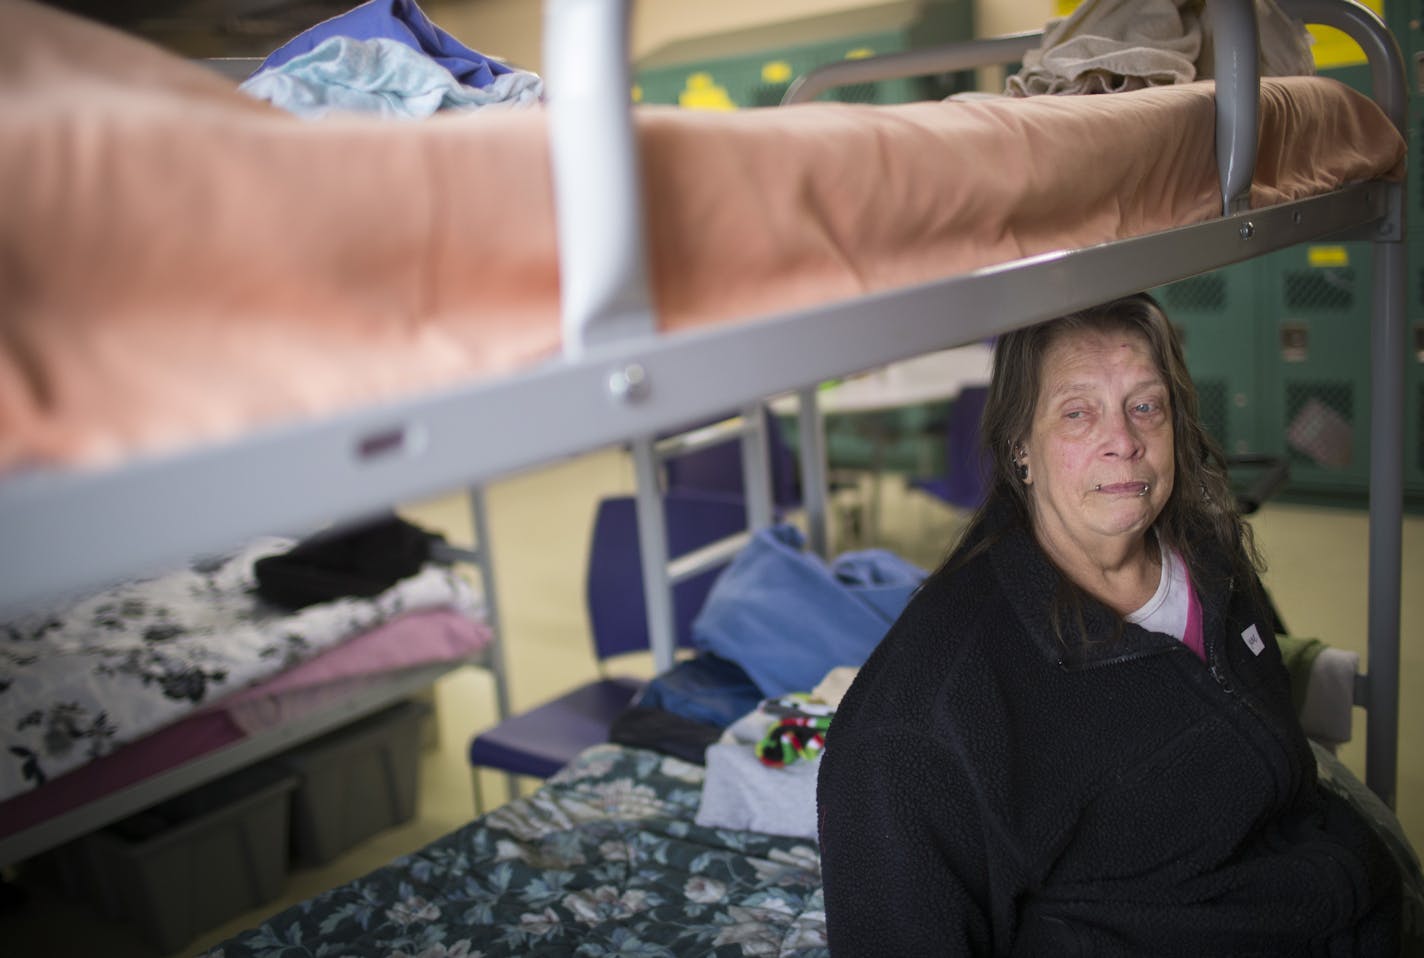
404 22
380 76
787 617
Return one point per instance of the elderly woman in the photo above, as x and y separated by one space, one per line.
1078 738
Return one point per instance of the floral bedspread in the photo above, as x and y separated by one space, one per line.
78 681
604 859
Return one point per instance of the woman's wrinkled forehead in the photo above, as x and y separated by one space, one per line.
1084 347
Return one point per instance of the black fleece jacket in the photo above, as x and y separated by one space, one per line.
988 789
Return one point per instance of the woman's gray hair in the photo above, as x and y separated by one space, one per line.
1200 517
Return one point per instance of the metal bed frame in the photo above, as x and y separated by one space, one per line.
618 380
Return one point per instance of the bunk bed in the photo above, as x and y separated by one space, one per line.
642 323
151 687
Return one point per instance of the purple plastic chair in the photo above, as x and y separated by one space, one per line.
719 468
966 472
544 739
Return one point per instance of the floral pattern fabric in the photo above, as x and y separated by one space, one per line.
604 859
79 680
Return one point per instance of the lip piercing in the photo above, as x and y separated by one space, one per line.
1146 488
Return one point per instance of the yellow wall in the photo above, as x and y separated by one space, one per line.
510 28
1330 47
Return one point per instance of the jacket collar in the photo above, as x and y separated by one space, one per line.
1031 581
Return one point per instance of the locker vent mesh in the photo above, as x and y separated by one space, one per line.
858 93
1198 294
1320 421
768 94
1332 288
1211 401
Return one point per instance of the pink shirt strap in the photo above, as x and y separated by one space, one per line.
1193 635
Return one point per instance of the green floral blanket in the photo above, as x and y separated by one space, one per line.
604 859
601 860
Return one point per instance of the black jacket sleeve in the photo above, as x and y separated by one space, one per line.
903 856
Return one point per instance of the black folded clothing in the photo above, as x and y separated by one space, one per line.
359 561
665 732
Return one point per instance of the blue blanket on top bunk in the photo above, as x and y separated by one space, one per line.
404 22
385 57
382 77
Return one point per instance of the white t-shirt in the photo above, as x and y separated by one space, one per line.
1166 611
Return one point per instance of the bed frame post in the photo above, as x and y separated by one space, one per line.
1235 38
1363 25
811 437
653 549
1378 690
598 206
484 562
1387 352
941 58
756 467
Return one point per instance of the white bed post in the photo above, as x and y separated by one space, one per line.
1235 40
756 467
810 431
603 272
653 549
484 563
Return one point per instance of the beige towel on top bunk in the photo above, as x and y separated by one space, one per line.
1108 46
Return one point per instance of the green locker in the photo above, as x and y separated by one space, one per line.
755 67
1210 312
1403 19
1314 307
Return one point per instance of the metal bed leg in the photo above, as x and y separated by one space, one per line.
1387 341
1236 34
756 467
484 562
811 437
652 543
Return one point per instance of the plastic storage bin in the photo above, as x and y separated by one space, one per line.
355 782
197 861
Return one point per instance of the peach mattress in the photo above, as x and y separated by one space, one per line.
180 263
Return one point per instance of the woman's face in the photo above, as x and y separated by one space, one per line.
1100 452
